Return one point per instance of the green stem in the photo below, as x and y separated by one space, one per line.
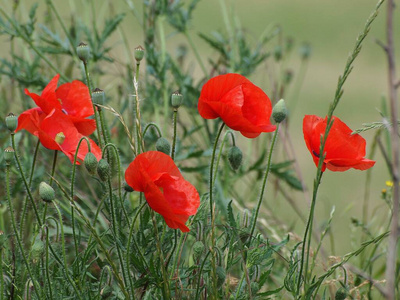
47 264
154 125
174 136
64 255
220 151
196 53
211 181
53 169
16 232
200 271
165 283
50 3
264 183
25 205
96 117
72 191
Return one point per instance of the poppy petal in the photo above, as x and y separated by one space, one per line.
75 99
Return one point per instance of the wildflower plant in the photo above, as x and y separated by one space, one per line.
157 196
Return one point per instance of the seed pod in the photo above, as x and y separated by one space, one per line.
11 122
176 99
279 112
98 96
139 53
46 192
90 162
9 155
83 52
163 146
235 157
103 169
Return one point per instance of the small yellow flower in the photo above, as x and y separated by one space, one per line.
389 183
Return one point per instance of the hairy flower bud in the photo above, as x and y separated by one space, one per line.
11 122
127 187
90 162
98 96
163 146
341 294
9 155
176 99
103 169
83 52
46 192
235 157
279 111
139 53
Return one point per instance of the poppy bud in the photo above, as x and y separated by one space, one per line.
90 162
46 192
341 294
139 53
83 52
163 145
176 99
278 53
128 188
37 249
305 51
288 76
98 96
235 157
279 112
9 155
198 248
221 276
60 138
11 122
103 169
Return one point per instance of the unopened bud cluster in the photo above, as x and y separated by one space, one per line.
163 146
46 192
235 157
279 111
103 169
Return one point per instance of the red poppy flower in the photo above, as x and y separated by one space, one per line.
72 98
63 110
166 191
239 103
343 149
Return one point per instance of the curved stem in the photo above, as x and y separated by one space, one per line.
53 169
25 205
264 183
21 248
154 125
96 117
211 182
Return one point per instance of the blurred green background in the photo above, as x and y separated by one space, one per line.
331 28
